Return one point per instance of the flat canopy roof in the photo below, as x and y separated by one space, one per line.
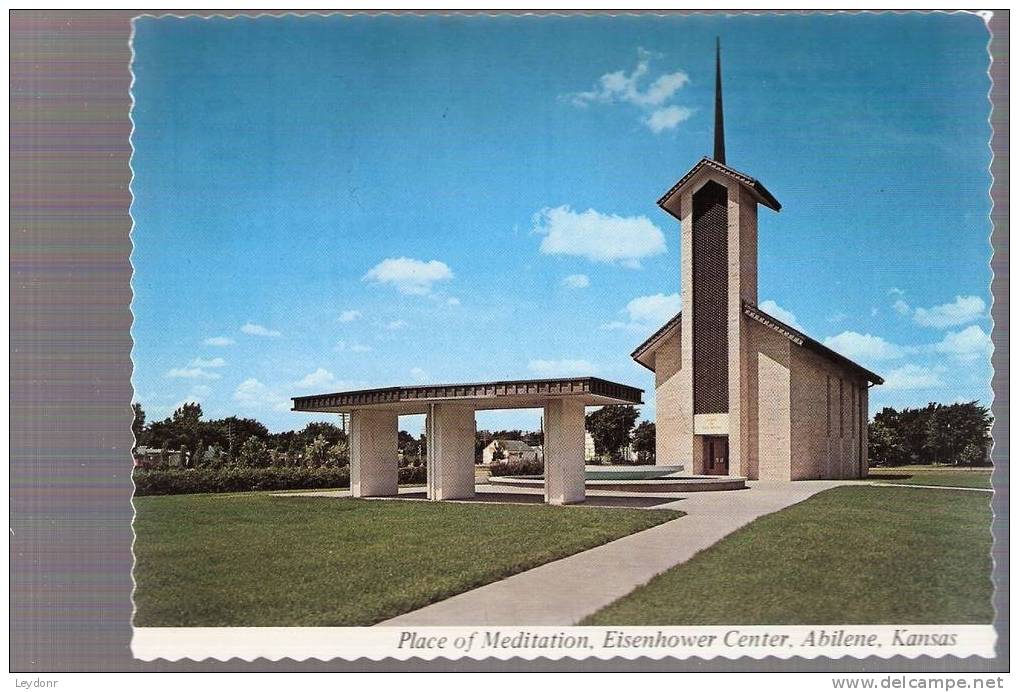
593 391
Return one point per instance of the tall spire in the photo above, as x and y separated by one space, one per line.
719 120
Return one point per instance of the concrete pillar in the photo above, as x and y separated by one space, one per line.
564 451
374 461
450 437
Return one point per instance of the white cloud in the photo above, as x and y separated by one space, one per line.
419 375
253 394
396 324
452 301
616 324
557 368
350 315
192 374
207 363
972 343
259 330
896 292
913 377
864 347
319 379
655 309
964 309
901 307
576 281
598 237
410 276
219 341
780 313
667 118
622 87
353 348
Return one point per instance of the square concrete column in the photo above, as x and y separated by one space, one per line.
449 430
374 460
564 451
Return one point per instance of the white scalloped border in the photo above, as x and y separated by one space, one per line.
227 632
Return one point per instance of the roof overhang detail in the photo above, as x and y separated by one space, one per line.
593 391
801 339
670 200
644 353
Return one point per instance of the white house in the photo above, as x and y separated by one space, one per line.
512 450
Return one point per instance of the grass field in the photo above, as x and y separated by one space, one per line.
851 555
933 475
258 560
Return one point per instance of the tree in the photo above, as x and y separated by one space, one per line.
231 433
138 424
611 426
315 454
498 454
644 442
253 453
957 434
338 454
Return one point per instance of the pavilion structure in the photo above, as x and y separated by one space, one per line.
450 430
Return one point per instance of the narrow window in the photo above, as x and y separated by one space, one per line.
852 409
827 407
842 411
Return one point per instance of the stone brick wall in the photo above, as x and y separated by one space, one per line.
829 428
774 433
673 421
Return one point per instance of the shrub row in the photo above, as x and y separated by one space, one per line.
516 468
241 479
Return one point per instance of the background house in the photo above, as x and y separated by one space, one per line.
509 450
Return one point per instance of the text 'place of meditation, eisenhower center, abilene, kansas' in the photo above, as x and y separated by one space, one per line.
738 392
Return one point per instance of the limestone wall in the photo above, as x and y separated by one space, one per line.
829 419
673 422
774 434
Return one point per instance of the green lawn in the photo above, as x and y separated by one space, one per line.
851 555
933 475
258 560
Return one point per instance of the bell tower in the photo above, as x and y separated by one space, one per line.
717 209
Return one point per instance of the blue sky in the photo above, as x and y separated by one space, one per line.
332 203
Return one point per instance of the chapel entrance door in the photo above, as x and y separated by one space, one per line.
716 455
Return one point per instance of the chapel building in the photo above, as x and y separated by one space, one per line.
739 392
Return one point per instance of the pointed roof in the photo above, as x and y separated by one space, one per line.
641 353
801 339
669 204
668 201
651 343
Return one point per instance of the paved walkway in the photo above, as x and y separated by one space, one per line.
567 590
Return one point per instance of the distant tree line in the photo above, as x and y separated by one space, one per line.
946 434
245 442
235 441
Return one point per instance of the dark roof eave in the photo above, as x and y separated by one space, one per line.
658 334
764 196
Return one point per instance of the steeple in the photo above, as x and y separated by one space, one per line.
719 120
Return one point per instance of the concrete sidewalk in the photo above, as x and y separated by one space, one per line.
567 590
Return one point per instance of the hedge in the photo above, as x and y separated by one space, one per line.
241 479
516 468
